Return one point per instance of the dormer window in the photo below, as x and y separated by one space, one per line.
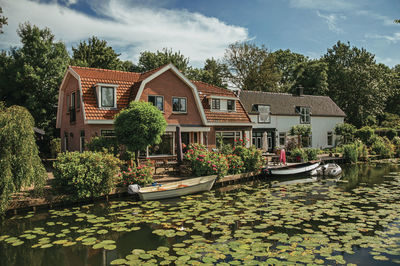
263 112
107 95
223 104
305 114
216 104
230 105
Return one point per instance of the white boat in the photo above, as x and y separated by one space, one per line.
330 169
174 189
293 169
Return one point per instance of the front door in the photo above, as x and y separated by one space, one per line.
185 138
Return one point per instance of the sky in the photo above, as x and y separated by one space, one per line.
202 29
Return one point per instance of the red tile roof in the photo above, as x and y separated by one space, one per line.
128 86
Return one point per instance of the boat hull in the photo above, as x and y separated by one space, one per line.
172 190
294 170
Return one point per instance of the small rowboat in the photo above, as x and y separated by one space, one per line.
294 169
174 189
330 169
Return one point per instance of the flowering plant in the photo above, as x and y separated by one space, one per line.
235 164
141 175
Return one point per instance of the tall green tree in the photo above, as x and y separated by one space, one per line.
3 20
251 67
393 103
31 75
356 83
20 163
96 53
149 60
312 75
139 125
287 62
214 72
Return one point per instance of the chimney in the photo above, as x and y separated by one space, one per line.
299 90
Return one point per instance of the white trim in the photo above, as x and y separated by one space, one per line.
99 87
229 124
99 121
223 97
172 104
184 79
172 128
163 101
106 85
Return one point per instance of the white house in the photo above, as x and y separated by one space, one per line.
276 113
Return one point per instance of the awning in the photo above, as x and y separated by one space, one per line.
172 128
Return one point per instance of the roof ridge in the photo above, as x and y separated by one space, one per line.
284 93
159 67
103 69
212 85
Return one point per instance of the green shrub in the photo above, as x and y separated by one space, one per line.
391 133
251 157
365 134
86 174
55 147
350 153
226 149
382 147
299 155
103 144
346 131
311 153
141 175
235 163
362 151
396 145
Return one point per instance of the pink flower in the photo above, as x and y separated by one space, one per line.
214 165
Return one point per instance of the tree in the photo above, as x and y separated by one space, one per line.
138 126
356 83
346 131
31 75
214 73
96 53
312 75
251 67
20 163
3 20
302 132
149 60
392 104
397 21
286 62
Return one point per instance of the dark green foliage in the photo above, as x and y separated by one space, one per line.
149 60
31 75
362 151
96 53
382 147
103 144
86 174
55 147
19 156
3 20
298 155
365 134
312 76
235 163
396 145
312 154
357 83
139 125
350 153
252 158
214 73
303 132
346 131
252 67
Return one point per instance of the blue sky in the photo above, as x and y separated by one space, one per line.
202 29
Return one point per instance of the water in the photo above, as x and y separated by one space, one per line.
351 220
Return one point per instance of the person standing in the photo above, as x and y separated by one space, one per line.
282 157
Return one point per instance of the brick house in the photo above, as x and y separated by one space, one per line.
89 98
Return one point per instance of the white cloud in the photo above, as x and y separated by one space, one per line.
332 20
326 5
128 29
389 38
385 20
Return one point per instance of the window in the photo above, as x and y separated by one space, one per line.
282 138
263 114
165 147
179 105
227 137
107 133
216 104
231 105
82 141
157 101
72 117
107 96
330 138
257 139
304 114
78 100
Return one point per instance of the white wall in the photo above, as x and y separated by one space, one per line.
320 127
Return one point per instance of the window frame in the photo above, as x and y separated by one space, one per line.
233 105
179 102
101 96
305 114
235 136
329 134
213 106
268 121
155 97
282 135
103 133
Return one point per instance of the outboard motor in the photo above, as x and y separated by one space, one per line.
133 189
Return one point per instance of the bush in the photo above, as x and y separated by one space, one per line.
141 175
86 174
382 147
55 147
291 144
346 131
311 153
299 155
362 151
365 134
251 157
104 144
396 145
235 163
226 149
350 153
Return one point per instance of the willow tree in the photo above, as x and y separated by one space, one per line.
20 163
139 125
